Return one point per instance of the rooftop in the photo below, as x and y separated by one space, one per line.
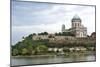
76 17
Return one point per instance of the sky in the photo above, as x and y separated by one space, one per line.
32 17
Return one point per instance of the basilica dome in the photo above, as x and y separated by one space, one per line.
76 18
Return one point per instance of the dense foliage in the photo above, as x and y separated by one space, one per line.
43 33
37 47
29 47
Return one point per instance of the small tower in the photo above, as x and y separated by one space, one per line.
76 21
63 28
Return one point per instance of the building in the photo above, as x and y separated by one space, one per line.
93 35
76 27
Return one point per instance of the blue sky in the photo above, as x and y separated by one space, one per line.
31 17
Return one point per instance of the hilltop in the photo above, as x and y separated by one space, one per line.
43 43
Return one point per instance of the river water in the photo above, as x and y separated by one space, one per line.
46 60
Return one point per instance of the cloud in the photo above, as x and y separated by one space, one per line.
31 17
19 31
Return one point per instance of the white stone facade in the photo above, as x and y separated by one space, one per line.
77 28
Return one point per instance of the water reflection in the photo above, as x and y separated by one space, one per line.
57 59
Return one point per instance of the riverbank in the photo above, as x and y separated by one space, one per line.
58 54
34 56
27 60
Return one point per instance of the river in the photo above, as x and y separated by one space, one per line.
40 60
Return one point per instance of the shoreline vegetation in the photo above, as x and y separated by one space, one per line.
67 54
48 45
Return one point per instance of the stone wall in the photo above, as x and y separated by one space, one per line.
43 37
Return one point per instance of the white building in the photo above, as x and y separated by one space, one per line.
77 28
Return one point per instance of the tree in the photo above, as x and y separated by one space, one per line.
29 46
34 33
40 49
67 34
43 33
50 36
24 51
56 34
14 52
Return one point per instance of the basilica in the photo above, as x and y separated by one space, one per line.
76 27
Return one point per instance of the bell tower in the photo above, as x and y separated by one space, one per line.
63 28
